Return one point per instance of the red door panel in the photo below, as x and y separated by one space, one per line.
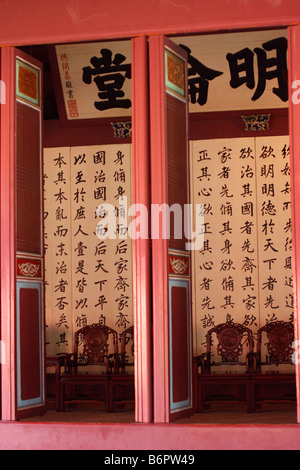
172 368
22 299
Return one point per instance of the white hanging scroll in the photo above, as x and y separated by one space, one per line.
95 269
243 271
274 228
225 269
57 219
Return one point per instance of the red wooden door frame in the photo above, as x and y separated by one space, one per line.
28 29
8 368
172 390
294 123
141 246
23 373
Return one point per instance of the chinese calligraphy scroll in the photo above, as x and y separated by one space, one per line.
243 270
87 259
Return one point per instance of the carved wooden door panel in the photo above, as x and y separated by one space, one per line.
172 360
22 313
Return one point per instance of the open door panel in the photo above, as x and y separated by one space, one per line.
172 362
22 299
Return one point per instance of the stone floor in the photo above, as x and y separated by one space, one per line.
217 414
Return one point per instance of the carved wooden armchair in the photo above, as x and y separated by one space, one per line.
273 379
94 345
122 383
216 377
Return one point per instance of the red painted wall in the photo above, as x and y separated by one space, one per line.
115 437
55 135
41 22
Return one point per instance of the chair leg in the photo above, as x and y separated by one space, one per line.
195 387
250 407
108 399
57 380
62 397
253 398
199 398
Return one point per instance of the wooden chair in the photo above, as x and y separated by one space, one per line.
273 379
94 345
214 384
59 363
122 383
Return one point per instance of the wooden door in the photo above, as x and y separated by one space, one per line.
22 298
172 357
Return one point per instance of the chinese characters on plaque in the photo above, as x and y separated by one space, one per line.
95 79
225 72
88 271
237 71
244 269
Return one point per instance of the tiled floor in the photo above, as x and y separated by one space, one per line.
236 414
218 414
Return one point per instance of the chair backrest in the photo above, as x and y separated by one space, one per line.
127 348
279 340
95 345
231 337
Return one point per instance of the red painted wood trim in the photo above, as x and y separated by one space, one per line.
29 268
8 289
59 21
160 302
28 180
22 24
159 195
8 235
294 118
141 247
229 124
180 336
54 135
177 164
30 328
164 437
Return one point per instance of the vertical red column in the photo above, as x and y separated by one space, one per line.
169 195
294 124
141 245
8 290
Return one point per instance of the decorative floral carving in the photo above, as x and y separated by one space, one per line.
257 122
179 265
122 129
29 269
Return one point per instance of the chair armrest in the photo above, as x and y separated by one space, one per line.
250 362
68 361
254 362
257 362
204 362
114 363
